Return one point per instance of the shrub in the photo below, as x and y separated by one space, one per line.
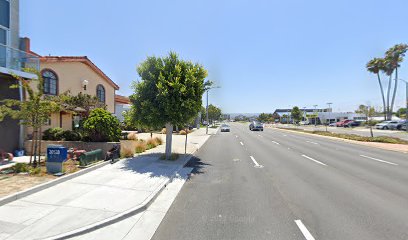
140 146
101 126
21 167
126 152
35 171
163 131
69 135
152 142
53 134
132 136
182 132
158 140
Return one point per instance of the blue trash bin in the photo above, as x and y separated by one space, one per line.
56 155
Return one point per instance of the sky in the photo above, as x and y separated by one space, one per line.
263 54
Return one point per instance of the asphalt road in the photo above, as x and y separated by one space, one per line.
277 184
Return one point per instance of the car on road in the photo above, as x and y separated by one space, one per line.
387 125
225 128
343 122
351 124
404 126
256 126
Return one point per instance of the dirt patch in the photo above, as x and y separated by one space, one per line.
13 183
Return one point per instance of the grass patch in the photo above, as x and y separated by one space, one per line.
381 139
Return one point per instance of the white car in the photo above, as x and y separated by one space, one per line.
387 125
225 128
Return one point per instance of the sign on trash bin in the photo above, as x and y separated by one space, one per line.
56 155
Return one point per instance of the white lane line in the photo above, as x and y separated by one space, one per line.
255 162
285 135
379 160
304 230
236 136
314 160
312 142
275 142
242 143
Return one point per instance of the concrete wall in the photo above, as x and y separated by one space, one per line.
119 108
88 146
9 128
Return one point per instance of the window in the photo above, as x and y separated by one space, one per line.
100 93
5 13
50 82
3 36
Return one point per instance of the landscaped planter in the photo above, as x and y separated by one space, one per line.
87 146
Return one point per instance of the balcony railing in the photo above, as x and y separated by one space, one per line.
17 60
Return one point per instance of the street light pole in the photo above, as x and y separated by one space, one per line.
329 115
315 117
206 130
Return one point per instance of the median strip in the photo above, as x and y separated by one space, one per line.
304 230
314 160
378 160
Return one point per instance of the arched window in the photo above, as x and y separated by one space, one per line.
100 93
50 82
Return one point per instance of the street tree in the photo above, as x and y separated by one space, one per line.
388 65
375 66
169 93
296 114
265 117
214 113
34 112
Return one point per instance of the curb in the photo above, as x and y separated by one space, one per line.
32 190
344 140
121 216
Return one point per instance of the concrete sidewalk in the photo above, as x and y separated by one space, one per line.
95 198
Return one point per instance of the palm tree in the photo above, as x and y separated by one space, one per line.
394 56
375 66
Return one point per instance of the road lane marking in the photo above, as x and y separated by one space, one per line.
242 143
236 136
255 162
314 160
379 160
304 230
275 142
312 142
285 135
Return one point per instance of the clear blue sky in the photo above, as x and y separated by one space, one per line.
265 54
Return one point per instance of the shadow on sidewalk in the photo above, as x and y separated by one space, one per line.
152 165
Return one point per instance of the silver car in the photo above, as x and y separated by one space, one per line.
225 128
387 125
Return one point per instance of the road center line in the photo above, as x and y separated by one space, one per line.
304 230
314 160
255 162
379 160
312 142
242 143
275 142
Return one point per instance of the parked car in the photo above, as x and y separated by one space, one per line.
225 128
256 126
401 124
332 124
387 125
351 124
342 122
404 126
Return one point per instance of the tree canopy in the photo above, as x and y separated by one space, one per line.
170 91
296 114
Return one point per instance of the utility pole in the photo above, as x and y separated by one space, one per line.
327 123
208 89
315 116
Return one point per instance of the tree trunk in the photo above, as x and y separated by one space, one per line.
382 95
35 147
395 91
39 148
32 148
388 98
169 135
185 144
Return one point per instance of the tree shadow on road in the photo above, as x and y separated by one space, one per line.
198 165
